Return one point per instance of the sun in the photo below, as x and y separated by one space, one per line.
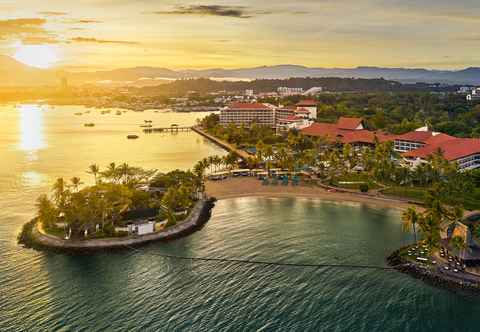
40 56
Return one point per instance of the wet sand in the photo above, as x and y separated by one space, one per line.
251 187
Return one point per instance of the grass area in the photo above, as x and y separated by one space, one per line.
413 193
353 181
55 231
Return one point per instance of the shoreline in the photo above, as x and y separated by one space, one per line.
39 240
250 187
431 277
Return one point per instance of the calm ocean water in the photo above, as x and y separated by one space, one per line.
141 291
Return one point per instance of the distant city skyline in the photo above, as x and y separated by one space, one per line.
107 34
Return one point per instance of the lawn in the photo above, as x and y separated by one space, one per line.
413 193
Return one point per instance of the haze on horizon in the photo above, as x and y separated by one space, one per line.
106 34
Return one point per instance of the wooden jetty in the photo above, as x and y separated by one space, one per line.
171 129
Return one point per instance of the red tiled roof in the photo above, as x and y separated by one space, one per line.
302 110
415 136
293 118
344 130
307 103
320 129
452 149
349 123
248 106
439 138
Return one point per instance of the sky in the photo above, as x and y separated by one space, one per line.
182 34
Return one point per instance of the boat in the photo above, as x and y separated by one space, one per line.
148 121
146 126
89 124
119 113
132 136
78 113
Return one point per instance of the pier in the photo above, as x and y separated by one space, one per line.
224 145
241 153
171 129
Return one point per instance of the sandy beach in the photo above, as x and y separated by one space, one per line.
251 187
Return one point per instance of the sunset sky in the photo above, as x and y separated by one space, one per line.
103 34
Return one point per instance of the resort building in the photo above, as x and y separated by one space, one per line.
284 91
417 139
247 114
310 106
475 95
346 131
293 122
463 151
415 147
313 91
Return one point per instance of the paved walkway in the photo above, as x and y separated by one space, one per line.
227 146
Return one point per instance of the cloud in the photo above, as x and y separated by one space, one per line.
82 21
29 30
53 13
92 40
212 10
88 21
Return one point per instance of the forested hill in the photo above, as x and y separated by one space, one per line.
332 84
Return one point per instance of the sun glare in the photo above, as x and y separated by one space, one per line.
40 56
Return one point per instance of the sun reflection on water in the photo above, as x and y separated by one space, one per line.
31 128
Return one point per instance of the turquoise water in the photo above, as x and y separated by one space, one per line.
142 291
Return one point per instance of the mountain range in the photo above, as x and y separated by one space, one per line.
14 73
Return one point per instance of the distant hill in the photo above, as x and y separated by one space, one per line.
405 75
13 73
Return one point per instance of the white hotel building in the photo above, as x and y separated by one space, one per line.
247 114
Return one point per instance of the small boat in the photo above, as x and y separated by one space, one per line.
119 113
132 136
148 121
78 113
146 126
89 124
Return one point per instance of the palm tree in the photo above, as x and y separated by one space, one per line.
458 243
168 212
268 155
94 169
410 219
60 193
124 171
230 160
76 182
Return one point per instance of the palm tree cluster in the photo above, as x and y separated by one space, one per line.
98 208
213 164
437 216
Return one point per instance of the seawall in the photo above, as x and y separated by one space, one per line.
199 215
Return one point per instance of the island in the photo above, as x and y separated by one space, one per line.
126 206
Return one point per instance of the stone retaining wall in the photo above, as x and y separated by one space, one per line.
432 277
199 215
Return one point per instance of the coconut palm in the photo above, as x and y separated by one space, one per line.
458 243
76 182
410 219
230 160
94 169
124 172
167 212
111 173
60 193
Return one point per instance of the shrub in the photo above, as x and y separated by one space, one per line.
364 187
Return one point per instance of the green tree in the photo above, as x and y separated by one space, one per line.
410 219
